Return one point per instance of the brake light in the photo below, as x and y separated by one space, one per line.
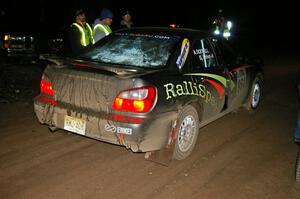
46 88
5 45
137 100
173 25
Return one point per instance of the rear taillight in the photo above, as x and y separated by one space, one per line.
47 93
46 88
5 44
137 100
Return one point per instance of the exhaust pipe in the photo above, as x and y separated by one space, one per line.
52 129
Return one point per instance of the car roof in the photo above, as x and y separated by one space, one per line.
167 31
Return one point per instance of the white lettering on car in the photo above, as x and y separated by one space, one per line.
189 88
117 129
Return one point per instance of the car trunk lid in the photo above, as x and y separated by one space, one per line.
80 86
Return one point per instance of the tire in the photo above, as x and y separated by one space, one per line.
255 94
187 133
297 168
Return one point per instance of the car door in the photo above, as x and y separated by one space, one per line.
212 78
238 72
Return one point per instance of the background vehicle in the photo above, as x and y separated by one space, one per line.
29 46
25 33
148 89
18 45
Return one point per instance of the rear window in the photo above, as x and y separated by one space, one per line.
141 50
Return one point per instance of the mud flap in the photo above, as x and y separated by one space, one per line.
165 155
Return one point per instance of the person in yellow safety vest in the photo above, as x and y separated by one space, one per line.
101 26
81 34
222 27
227 28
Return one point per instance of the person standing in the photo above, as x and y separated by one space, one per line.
101 27
221 26
81 34
126 20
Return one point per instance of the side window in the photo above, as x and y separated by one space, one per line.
214 43
202 55
225 52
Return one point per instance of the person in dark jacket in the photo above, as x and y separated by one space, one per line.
126 20
80 35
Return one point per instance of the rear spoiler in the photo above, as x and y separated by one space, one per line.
59 61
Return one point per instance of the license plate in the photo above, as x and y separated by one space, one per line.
75 125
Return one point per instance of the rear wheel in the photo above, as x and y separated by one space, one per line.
255 94
297 168
187 133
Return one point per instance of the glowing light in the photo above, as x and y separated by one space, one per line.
229 24
216 32
173 25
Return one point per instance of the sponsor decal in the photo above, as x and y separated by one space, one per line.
221 79
197 89
206 56
117 129
203 54
189 88
166 37
123 130
185 47
200 51
217 86
110 128
220 87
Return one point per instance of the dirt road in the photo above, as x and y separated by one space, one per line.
239 156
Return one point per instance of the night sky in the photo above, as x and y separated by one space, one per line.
254 19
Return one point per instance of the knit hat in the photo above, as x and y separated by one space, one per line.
106 13
79 12
125 12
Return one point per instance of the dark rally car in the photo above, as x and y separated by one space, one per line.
148 89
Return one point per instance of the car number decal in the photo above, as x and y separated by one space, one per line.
241 80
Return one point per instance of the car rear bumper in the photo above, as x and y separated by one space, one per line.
138 134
